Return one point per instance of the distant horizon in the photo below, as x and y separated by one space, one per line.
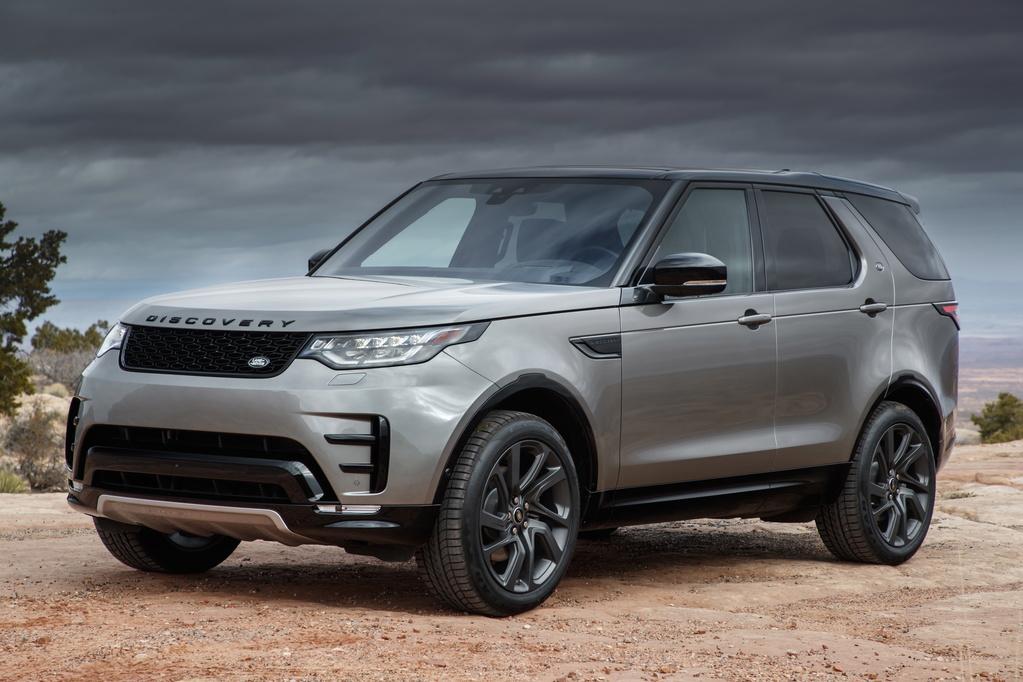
982 304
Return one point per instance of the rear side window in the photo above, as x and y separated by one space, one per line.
899 229
802 246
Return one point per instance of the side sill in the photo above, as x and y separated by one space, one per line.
781 495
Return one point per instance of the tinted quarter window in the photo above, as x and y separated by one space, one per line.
899 229
715 222
803 248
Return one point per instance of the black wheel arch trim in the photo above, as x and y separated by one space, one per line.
525 382
913 380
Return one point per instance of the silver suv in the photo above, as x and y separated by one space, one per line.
498 363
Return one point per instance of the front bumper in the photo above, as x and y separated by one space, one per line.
425 406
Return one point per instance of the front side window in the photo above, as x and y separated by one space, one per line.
802 246
551 231
714 222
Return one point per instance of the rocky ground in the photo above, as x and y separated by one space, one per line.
708 600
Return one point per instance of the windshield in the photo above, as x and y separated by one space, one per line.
552 231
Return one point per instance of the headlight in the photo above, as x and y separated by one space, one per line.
113 339
388 348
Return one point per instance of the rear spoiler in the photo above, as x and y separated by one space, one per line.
913 202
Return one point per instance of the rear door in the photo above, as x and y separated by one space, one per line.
698 385
833 317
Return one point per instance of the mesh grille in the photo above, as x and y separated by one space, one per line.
140 439
209 351
186 486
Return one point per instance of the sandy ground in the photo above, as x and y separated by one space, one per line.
708 600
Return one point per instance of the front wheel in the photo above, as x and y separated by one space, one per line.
508 521
148 550
884 509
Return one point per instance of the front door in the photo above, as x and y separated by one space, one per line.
699 374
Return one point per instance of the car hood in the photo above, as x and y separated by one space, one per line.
347 304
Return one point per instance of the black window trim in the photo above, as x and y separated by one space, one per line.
857 260
657 236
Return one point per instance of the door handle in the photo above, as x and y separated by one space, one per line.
753 319
872 307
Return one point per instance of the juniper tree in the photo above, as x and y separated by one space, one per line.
27 265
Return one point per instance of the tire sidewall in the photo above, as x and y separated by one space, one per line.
524 428
892 415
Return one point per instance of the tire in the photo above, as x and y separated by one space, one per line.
884 509
148 550
597 535
508 521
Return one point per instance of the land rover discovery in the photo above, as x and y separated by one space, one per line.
499 362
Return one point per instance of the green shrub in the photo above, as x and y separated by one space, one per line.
35 442
11 482
1001 420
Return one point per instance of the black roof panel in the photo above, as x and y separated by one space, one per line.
761 177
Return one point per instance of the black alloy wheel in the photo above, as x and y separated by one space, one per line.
525 516
509 518
883 509
900 487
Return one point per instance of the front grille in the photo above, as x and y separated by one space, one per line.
186 486
209 351
141 439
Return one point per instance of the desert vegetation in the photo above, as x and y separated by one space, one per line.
1001 420
30 425
34 442
32 436
60 354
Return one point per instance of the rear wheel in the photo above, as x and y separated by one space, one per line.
884 509
509 519
149 550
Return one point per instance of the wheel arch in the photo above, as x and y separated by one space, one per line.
544 397
914 392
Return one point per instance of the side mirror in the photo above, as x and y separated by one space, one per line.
689 274
315 259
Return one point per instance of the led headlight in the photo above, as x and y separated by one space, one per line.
388 348
113 339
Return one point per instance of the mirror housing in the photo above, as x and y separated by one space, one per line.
315 259
688 274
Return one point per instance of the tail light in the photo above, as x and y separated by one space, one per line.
950 310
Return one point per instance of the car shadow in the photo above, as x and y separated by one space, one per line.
681 554
687 548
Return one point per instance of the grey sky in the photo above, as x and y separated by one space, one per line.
187 143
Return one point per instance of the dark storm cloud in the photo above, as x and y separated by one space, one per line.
189 142
895 79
